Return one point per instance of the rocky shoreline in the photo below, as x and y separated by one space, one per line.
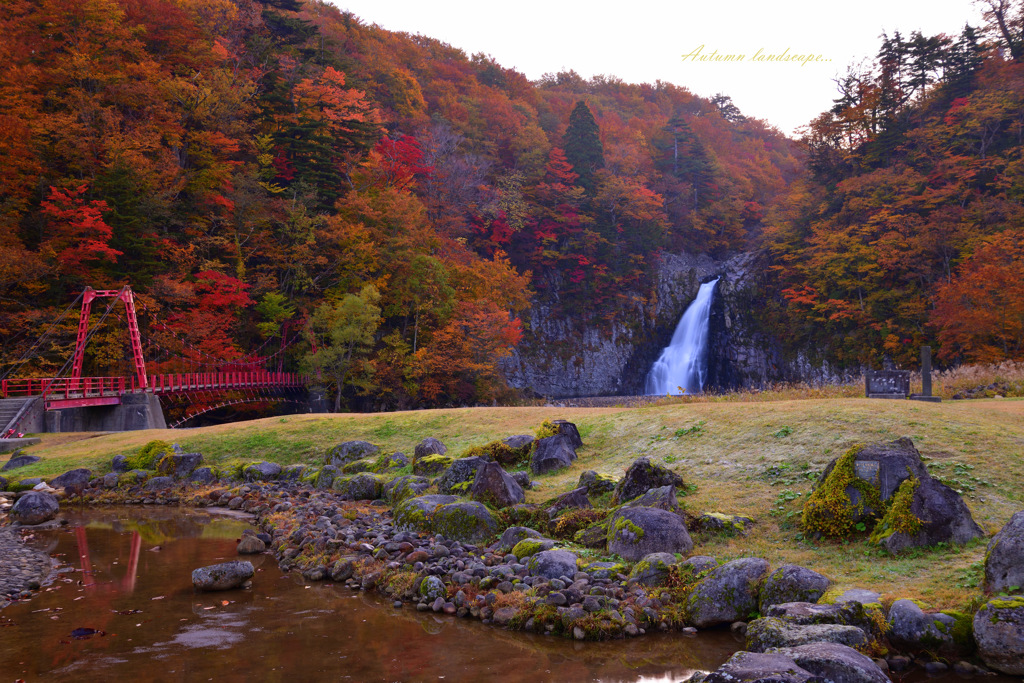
22 568
445 554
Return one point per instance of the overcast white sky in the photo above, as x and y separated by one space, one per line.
643 41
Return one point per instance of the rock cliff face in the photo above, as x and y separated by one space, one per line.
559 359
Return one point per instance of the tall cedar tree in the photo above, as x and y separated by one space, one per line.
582 145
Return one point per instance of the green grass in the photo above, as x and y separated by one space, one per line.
749 458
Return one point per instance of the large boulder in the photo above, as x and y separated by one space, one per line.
771 632
553 564
512 535
494 486
662 497
416 513
854 487
18 460
459 476
792 583
224 576
76 479
909 626
179 465
262 471
941 517
641 477
570 431
293 472
363 486
158 484
429 446
595 483
346 452
463 521
552 453
652 570
575 499
325 477
999 632
728 593
850 613
35 507
760 667
1004 561
406 486
431 465
119 464
635 532
836 663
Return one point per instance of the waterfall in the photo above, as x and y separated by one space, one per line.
684 363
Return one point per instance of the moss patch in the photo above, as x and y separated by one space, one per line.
898 519
829 510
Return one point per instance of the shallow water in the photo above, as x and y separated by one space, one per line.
150 625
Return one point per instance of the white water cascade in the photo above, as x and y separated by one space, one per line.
682 366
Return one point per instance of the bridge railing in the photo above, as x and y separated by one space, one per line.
91 387
63 387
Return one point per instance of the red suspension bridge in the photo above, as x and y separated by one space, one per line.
76 391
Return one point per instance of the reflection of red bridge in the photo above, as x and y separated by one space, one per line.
76 391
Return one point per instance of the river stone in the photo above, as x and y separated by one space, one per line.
553 564
119 463
595 483
159 484
431 465
641 477
416 513
769 632
459 475
761 667
429 446
792 583
262 471
553 453
73 479
203 475
662 497
836 663
406 486
224 576
635 532
363 486
35 507
1004 560
17 461
466 522
494 486
945 515
348 451
325 477
250 545
432 588
652 570
179 465
699 563
861 595
910 626
31 482
570 431
110 480
728 593
575 499
999 632
514 534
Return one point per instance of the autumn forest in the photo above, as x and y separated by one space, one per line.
277 178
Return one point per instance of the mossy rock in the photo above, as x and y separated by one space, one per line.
362 486
464 521
432 465
357 466
531 546
147 457
417 513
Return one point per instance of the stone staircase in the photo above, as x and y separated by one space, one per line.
9 409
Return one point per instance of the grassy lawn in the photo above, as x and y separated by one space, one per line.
758 459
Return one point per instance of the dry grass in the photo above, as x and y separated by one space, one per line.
743 457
